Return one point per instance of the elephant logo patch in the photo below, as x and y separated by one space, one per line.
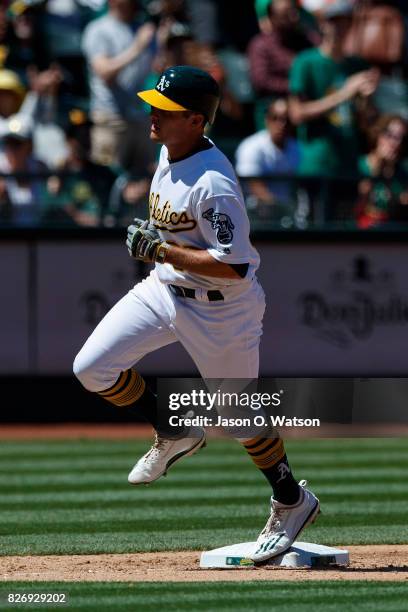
222 223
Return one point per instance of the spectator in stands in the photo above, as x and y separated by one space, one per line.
45 32
11 93
176 44
41 103
264 22
62 25
6 33
128 199
204 19
81 193
38 104
383 193
271 53
26 45
219 24
324 86
120 50
20 197
270 151
167 11
230 127
32 87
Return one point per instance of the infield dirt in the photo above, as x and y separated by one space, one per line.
379 562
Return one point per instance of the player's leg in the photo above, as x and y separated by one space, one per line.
228 347
222 337
234 353
138 324
293 507
130 330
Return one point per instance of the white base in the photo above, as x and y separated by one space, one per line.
300 554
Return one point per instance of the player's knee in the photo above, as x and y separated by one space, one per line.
85 372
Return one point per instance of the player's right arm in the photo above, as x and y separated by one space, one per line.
199 261
144 243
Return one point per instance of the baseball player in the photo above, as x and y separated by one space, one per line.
202 292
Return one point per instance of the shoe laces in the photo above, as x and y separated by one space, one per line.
278 512
275 518
159 445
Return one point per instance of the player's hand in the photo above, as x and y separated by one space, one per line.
133 235
144 243
136 223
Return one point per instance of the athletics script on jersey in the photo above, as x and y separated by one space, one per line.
168 218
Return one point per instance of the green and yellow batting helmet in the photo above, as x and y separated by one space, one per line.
182 88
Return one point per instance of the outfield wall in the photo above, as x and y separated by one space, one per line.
337 304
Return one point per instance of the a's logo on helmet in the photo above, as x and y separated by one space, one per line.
222 223
162 84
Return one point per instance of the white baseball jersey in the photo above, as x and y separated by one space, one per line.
197 202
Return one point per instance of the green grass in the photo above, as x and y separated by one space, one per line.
218 596
71 497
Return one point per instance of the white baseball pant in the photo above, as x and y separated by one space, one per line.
222 337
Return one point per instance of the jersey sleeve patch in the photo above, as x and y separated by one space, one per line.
222 223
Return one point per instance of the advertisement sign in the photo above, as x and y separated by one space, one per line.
332 309
17 310
78 282
338 309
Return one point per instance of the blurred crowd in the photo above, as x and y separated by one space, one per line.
313 113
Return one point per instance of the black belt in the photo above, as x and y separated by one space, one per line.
186 292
